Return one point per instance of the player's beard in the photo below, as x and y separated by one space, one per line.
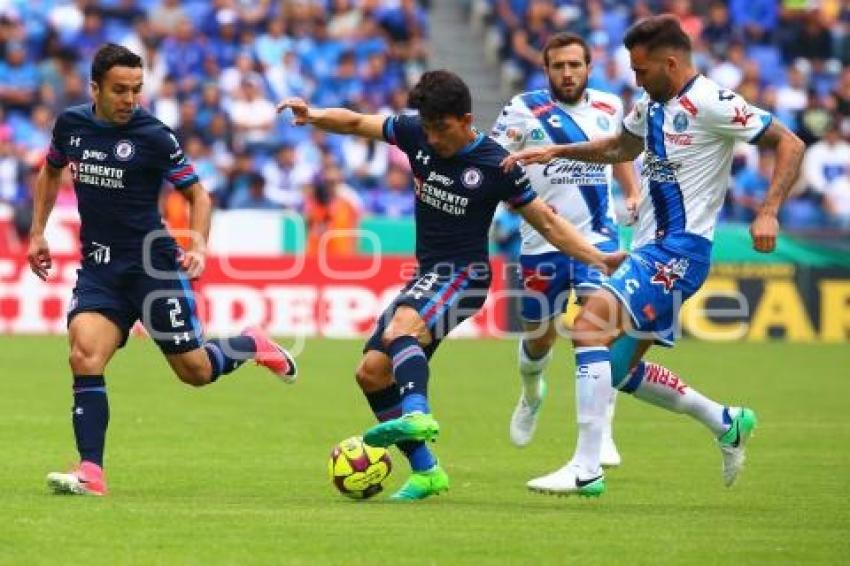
560 94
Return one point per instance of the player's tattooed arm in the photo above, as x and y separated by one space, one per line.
44 197
193 261
612 149
789 155
564 236
336 120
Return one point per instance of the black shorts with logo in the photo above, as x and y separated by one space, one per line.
444 295
124 290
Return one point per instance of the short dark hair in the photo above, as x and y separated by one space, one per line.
440 93
564 39
112 55
657 31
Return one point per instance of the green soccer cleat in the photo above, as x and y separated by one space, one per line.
415 426
733 444
423 484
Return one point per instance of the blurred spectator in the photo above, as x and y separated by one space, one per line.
232 78
208 174
19 79
255 197
166 17
184 54
365 160
717 32
827 159
166 107
331 216
253 117
750 187
92 35
836 202
271 46
285 178
11 173
394 199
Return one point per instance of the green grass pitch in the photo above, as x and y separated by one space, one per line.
236 473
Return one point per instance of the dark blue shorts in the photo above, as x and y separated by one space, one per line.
122 290
444 296
549 278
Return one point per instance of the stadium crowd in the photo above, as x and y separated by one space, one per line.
214 70
789 57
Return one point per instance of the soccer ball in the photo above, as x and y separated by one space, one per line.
357 469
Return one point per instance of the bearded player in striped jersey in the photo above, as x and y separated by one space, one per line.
567 112
687 126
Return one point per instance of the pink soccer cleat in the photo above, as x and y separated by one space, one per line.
86 479
271 355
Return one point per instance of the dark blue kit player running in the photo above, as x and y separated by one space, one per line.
118 155
458 185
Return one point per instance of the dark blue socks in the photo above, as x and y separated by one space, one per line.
410 370
90 416
227 354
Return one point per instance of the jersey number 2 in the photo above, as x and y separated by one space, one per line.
175 312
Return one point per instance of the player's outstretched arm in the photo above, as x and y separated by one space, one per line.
613 149
336 120
44 197
194 260
564 236
789 155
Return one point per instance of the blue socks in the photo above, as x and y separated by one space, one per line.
90 416
227 354
410 370
386 404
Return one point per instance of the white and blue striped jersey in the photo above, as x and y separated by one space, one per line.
687 162
578 191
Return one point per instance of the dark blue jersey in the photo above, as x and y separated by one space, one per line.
118 171
457 196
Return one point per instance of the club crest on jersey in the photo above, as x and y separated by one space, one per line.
680 122
603 122
667 274
536 134
471 177
124 150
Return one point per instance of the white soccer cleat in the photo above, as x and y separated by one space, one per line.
524 418
609 456
570 479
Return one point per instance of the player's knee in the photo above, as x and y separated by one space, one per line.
85 360
369 377
539 346
587 332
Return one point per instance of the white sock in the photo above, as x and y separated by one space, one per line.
531 369
659 386
608 426
593 393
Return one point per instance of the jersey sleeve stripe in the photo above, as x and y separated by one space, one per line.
523 198
389 131
766 121
56 158
182 177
